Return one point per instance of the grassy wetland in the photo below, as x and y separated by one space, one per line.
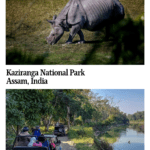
27 29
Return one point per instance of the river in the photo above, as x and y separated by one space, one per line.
129 139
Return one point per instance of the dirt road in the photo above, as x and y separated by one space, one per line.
66 144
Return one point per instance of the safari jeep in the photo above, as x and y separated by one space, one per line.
47 146
59 130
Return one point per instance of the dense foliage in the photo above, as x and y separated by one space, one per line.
71 107
136 116
25 107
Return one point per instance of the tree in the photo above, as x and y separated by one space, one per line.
139 115
71 103
47 117
25 107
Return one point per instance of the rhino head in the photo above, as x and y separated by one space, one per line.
57 31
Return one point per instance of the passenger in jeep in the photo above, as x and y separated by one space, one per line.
53 146
22 140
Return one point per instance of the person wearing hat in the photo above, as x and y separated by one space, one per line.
36 131
24 139
37 127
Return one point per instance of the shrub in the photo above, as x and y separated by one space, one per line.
79 121
106 122
81 132
128 42
102 145
77 131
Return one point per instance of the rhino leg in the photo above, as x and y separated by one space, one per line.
74 30
80 33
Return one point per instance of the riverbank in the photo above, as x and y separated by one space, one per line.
137 122
110 135
107 137
100 130
84 138
98 137
115 135
138 125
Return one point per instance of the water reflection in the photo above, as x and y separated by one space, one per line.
130 140
138 128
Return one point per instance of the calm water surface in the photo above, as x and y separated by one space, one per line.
130 140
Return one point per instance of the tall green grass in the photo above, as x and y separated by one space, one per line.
140 122
83 137
112 135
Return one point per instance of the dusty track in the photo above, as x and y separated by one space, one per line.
66 144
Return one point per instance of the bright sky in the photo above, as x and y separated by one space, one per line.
128 100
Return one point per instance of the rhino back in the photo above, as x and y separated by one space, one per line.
97 12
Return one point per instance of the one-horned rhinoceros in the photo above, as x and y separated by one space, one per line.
84 14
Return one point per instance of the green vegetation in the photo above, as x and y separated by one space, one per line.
83 137
50 130
111 135
140 122
17 56
81 110
102 145
71 106
138 126
26 29
25 107
137 121
78 121
116 119
79 132
136 117
93 122
126 34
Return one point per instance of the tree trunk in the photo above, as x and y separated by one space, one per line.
47 122
68 116
13 129
18 130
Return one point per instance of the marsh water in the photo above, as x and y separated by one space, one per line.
130 139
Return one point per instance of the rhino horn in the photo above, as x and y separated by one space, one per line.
51 21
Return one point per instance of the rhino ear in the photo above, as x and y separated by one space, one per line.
51 21
54 17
